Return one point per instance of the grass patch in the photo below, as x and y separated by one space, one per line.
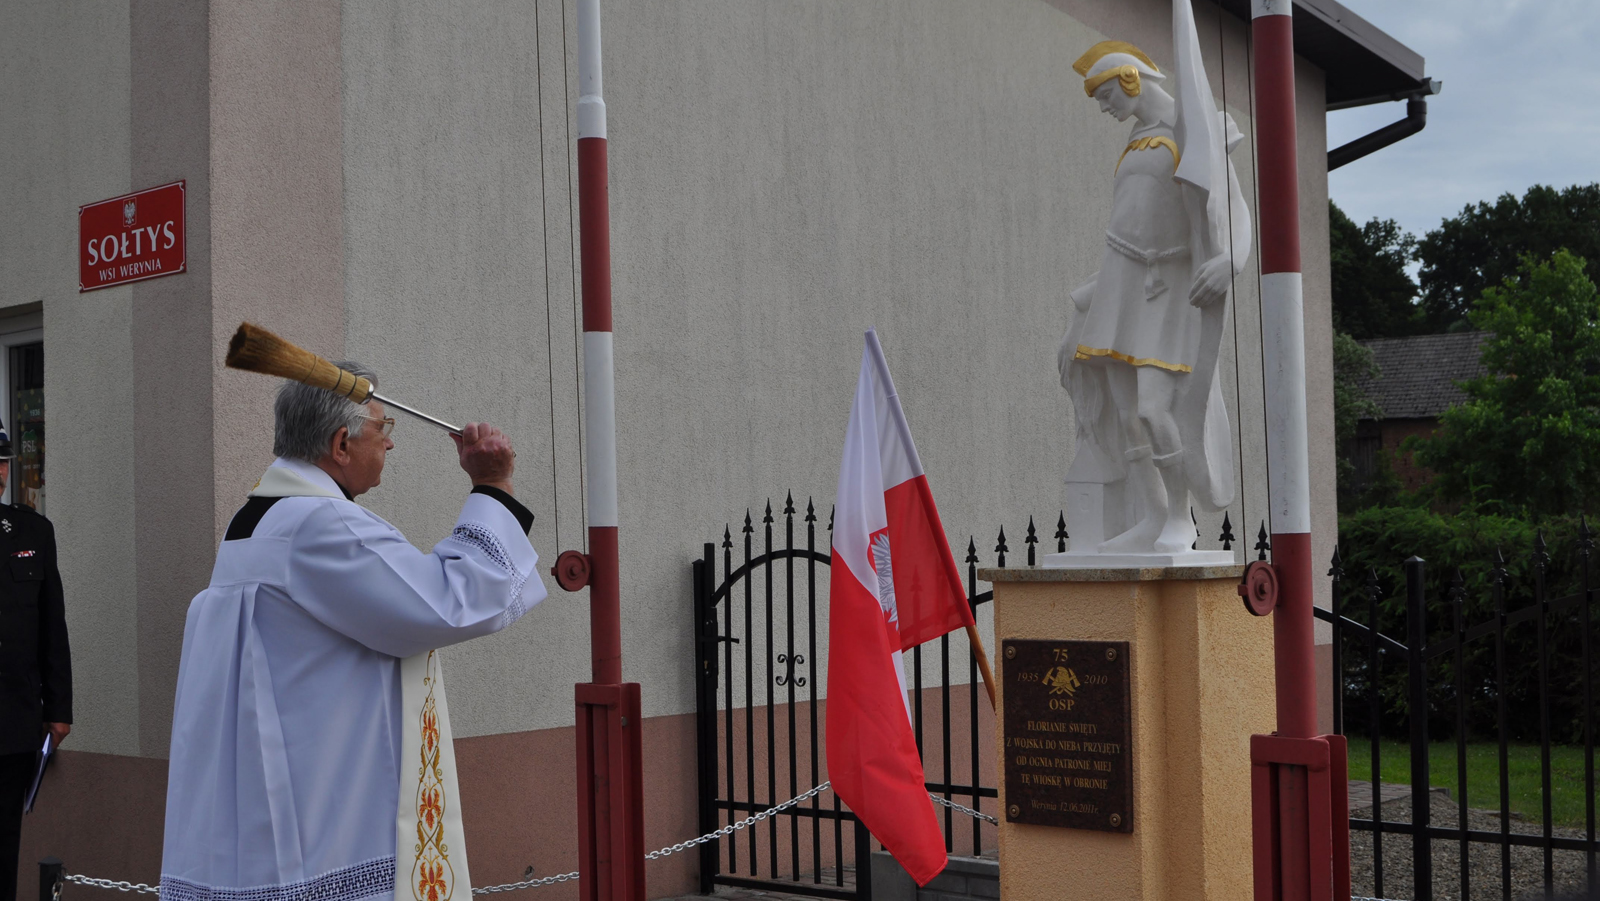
1483 775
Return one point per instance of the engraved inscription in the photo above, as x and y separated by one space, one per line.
1067 734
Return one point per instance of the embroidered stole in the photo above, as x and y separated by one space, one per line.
430 846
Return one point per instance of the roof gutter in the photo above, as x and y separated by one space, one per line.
1416 119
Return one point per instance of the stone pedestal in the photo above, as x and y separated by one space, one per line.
1201 674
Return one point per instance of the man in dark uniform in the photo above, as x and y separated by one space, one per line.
35 665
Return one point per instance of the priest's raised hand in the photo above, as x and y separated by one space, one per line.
486 455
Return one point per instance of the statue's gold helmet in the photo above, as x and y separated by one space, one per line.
1115 59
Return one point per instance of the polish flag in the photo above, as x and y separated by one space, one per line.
893 585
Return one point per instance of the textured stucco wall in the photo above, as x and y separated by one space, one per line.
782 176
459 289
64 89
1318 297
174 537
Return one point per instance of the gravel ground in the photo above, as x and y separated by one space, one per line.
1484 875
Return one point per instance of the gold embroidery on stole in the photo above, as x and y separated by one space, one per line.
432 876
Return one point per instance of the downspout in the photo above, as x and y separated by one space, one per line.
1416 119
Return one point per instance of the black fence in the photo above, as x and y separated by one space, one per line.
758 729
1491 682
1500 658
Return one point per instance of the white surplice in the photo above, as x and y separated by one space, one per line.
286 767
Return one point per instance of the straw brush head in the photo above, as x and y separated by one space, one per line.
254 349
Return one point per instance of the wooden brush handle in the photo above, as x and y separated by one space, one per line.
255 349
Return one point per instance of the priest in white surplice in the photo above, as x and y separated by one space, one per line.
310 727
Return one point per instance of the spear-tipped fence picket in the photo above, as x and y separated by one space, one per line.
757 640
1446 668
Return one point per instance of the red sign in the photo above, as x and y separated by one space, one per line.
131 238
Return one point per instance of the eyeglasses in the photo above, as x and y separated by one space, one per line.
385 425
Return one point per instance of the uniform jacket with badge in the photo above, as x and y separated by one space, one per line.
35 665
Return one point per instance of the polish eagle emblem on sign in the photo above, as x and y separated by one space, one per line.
130 212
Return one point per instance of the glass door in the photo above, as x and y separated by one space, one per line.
26 424
22 387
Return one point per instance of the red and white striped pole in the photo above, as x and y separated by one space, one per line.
1284 348
599 394
610 785
1298 779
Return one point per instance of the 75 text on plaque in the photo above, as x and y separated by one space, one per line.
1068 734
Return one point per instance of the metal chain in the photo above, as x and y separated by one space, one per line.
969 811
670 849
654 855
513 886
139 887
733 827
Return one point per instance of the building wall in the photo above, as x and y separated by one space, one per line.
67 108
394 182
173 391
930 170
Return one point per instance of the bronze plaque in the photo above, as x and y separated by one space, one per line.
1068 734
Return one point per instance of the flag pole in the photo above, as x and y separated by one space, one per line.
875 349
610 789
1298 786
983 661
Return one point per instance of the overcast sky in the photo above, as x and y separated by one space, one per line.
1520 106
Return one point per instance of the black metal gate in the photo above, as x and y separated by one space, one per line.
1498 679
758 661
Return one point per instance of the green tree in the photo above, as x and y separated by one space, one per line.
1373 295
1352 364
1485 244
1528 438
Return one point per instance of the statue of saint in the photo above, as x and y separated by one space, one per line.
1140 357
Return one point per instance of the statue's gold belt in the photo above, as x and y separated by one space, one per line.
1153 286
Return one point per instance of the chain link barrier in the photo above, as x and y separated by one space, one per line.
729 829
966 810
137 887
670 849
734 827
532 883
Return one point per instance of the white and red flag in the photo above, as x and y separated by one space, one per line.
893 585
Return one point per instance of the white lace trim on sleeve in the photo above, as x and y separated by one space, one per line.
484 539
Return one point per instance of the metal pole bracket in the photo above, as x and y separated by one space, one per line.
1304 852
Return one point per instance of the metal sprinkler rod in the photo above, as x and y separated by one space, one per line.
391 402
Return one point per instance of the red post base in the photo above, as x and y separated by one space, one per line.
1300 800
610 793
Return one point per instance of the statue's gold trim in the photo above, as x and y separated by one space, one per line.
1127 77
1099 51
1148 143
1085 353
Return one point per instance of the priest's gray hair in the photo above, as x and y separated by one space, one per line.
306 418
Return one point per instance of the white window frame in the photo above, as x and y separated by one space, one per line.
26 329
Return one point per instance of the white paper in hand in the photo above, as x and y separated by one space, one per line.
38 774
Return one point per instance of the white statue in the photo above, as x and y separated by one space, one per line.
1140 357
